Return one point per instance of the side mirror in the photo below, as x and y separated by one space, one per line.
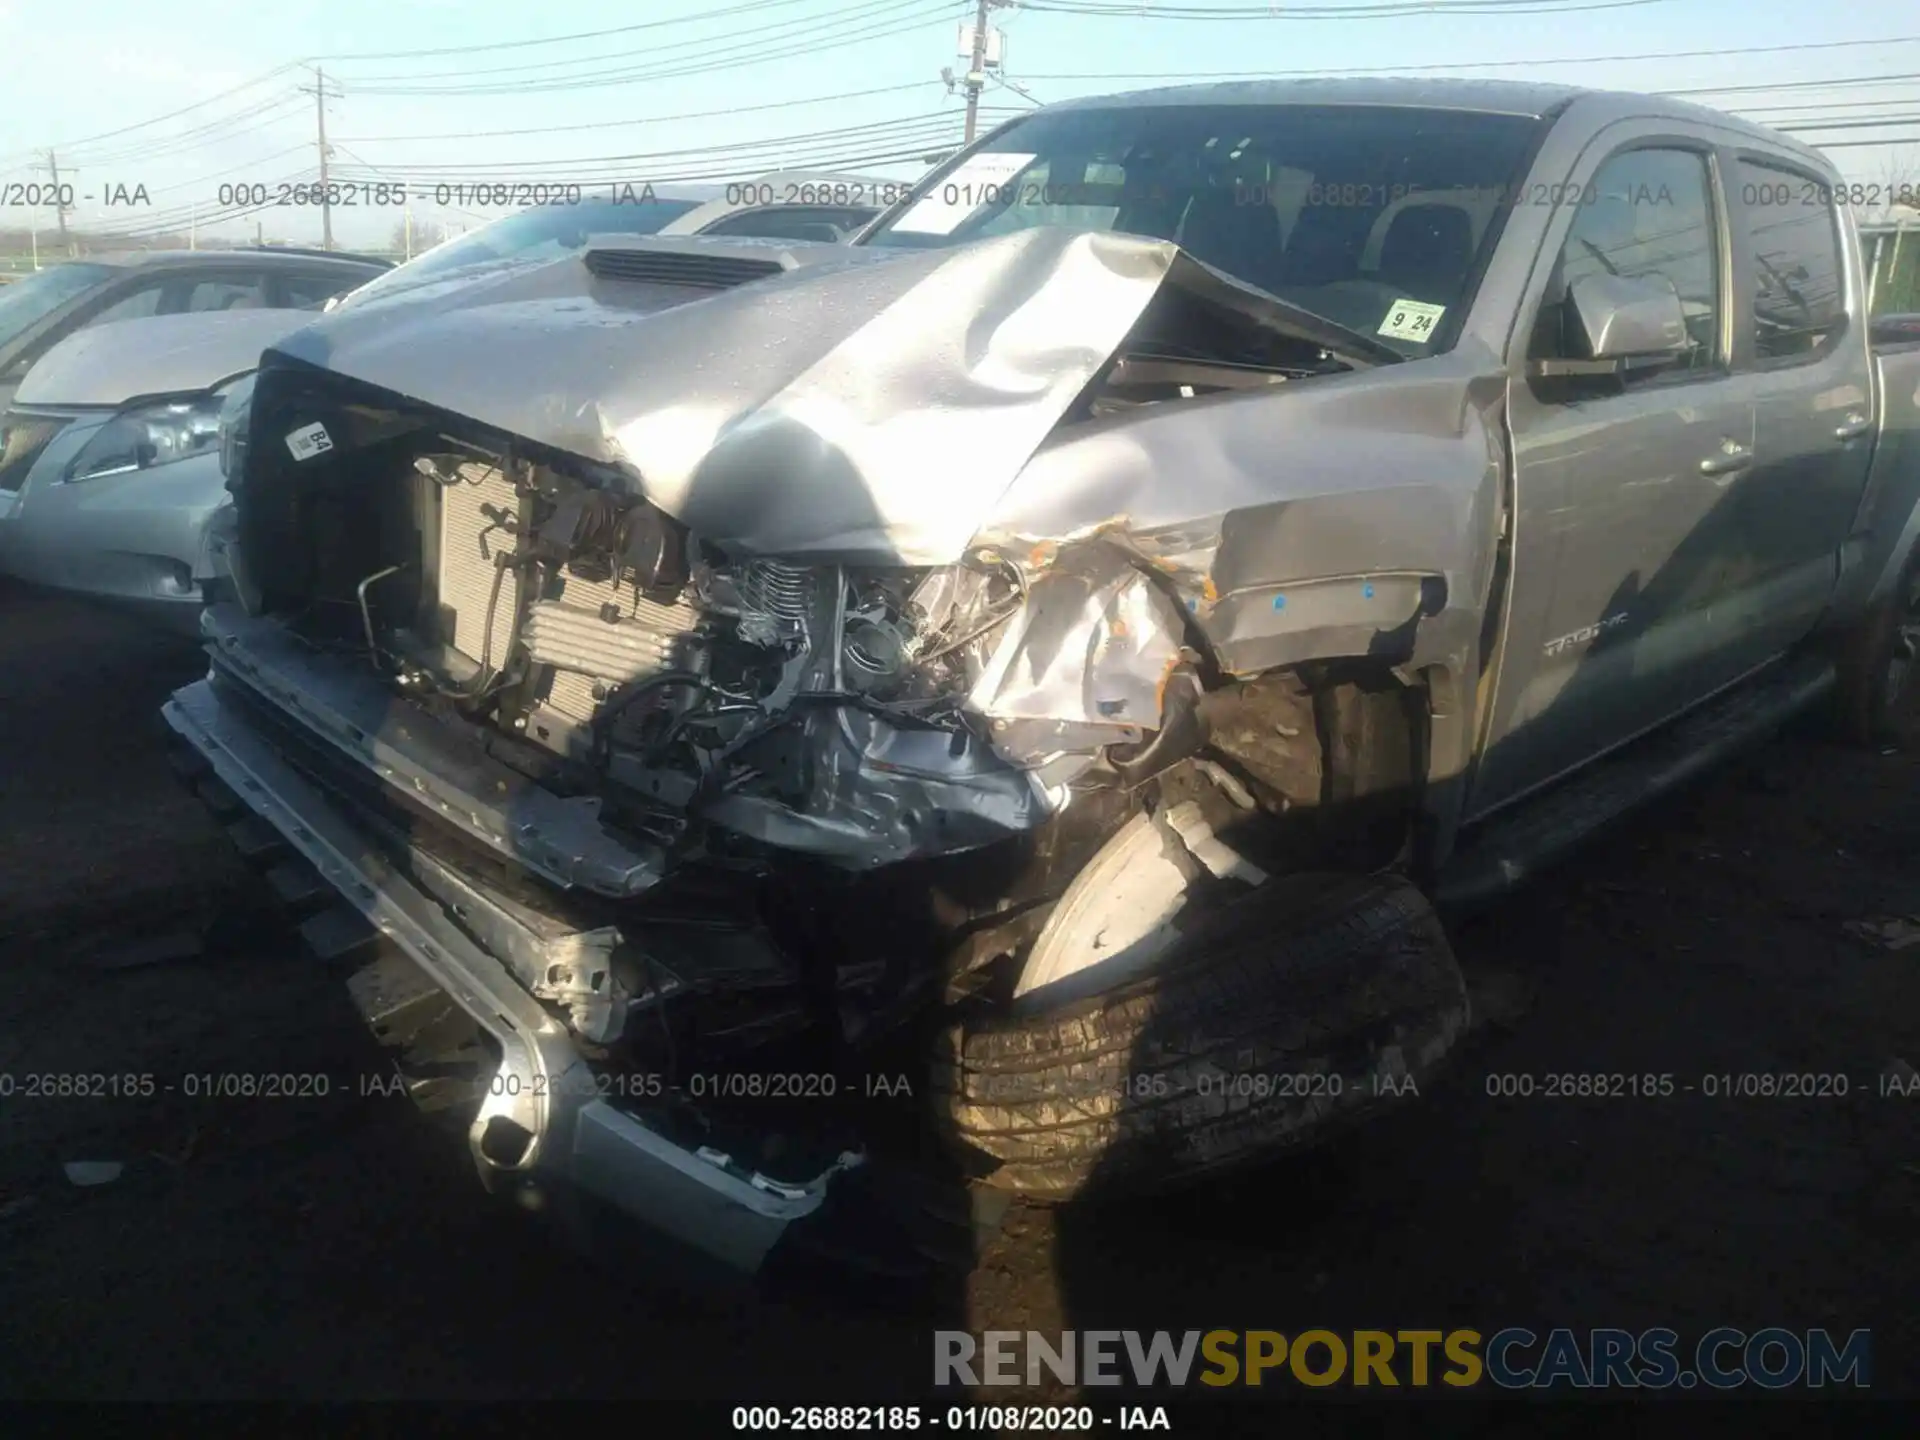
1627 318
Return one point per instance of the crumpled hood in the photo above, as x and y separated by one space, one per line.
868 407
162 354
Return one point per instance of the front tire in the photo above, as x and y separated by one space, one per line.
1285 1014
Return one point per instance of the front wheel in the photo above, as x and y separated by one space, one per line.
1284 1014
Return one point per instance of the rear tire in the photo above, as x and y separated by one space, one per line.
1878 702
1284 1015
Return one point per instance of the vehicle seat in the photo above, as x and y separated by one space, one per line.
1427 251
1230 234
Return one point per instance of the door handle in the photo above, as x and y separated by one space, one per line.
1853 427
1732 457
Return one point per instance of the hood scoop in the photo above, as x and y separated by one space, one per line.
713 270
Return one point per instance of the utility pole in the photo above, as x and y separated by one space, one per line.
59 204
319 92
977 68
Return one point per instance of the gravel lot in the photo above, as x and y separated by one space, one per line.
341 1248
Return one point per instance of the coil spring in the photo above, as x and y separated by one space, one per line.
776 589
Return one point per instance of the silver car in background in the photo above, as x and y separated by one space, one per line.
40 310
110 478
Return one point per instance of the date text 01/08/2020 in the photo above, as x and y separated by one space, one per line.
195 1085
578 1083
1722 1085
980 1419
708 1085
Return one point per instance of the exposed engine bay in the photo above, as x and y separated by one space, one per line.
619 655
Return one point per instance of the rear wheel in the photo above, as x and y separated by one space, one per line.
1879 697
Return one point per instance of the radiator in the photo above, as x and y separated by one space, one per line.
466 571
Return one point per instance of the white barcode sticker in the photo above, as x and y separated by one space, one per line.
1411 320
309 441
978 180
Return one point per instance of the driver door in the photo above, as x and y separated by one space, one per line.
1615 481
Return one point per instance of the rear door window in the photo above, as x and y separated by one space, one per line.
1799 291
228 292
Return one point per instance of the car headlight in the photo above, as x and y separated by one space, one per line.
150 436
235 415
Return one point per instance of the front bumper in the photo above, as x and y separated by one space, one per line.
542 1117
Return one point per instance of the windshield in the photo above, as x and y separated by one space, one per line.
40 294
1377 218
544 233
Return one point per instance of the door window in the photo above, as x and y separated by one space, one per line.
137 306
228 292
1647 214
310 292
1798 296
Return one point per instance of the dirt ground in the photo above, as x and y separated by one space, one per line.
341 1249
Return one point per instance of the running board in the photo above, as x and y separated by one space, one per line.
1514 846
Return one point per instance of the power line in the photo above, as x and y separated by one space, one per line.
231 170
1857 144
647 120
1879 123
177 217
1798 84
1822 105
729 51
556 39
779 30
250 118
184 109
561 163
719 60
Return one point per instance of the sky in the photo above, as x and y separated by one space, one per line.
199 102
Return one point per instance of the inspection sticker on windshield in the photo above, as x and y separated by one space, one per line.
309 441
980 180
1413 320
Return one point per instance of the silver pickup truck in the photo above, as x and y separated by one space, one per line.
1068 639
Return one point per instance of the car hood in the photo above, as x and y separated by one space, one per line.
858 406
161 355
